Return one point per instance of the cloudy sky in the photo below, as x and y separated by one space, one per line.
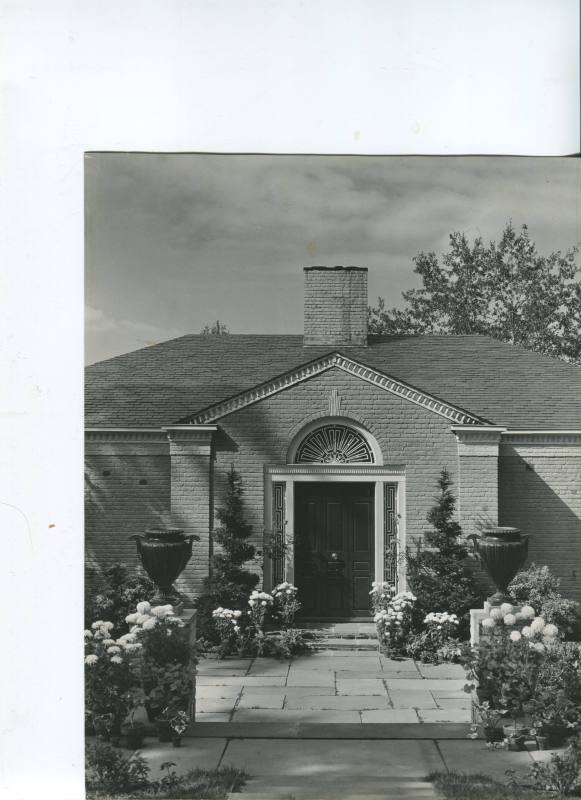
174 242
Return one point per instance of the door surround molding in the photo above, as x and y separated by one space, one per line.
289 474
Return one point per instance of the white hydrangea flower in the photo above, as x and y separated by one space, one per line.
528 612
91 659
495 613
97 624
527 632
131 618
507 608
550 631
488 622
149 624
108 642
515 636
114 649
538 646
144 607
116 660
537 624
509 619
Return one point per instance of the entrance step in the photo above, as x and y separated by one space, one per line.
342 635
334 643
360 788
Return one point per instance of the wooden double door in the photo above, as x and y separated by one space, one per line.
334 548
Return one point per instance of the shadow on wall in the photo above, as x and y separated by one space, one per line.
122 497
528 502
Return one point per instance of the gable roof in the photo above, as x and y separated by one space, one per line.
169 382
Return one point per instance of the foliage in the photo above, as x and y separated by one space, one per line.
109 672
215 329
436 568
459 786
562 774
158 631
538 587
437 642
110 775
286 603
394 622
557 698
244 633
505 290
229 583
109 770
122 591
172 691
507 662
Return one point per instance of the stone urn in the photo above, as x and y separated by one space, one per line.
164 552
502 552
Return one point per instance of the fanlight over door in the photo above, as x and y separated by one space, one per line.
334 444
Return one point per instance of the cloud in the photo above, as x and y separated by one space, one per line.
176 241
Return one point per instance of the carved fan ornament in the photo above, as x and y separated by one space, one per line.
334 444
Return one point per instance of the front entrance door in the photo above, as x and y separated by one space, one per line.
334 548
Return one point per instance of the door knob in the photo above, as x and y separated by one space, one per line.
334 557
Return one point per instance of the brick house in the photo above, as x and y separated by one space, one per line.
339 438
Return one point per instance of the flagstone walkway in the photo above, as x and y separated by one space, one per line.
330 686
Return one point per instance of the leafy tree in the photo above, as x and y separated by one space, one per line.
216 329
229 583
506 290
436 567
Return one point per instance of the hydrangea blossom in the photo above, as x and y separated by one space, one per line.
91 659
528 612
515 636
509 619
260 599
144 607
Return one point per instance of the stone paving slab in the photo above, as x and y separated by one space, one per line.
473 756
214 705
348 702
257 700
360 686
450 694
259 668
445 715
441 670
248 680
411 698
313 664
427 684
330 760
286 716
311 679
454 702
216 692
389 716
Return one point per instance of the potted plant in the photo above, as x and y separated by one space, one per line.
132 730
555 716
489 718
179 725
172 693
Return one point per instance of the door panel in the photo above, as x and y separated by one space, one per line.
334 548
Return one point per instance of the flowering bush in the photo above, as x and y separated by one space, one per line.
260 604
109 673
286 603
508 662
538 587
438 641
228 624
394 623
120 591
157 630
381 595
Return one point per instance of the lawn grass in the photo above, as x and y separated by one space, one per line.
201 784
476 786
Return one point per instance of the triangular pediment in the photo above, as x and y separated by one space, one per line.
338 361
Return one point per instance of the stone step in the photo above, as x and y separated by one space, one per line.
361 788
340 643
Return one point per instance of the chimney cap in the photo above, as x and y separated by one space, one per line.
347 269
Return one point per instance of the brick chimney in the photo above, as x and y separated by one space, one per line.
335 306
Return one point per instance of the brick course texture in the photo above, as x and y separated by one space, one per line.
335 306
539 486
540 493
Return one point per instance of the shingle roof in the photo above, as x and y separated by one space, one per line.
500 383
